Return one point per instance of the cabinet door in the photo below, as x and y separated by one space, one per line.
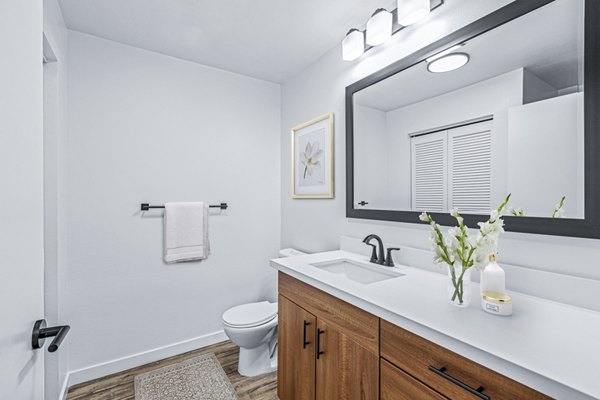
296 353
345 369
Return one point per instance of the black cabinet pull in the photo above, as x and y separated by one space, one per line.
319 352
477 392
304 341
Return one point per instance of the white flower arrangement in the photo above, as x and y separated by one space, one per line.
458 247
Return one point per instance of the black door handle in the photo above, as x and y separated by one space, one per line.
319 352
304 341
40 333
477 392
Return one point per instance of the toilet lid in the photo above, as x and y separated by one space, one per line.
251 314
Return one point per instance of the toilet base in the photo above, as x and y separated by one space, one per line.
257 361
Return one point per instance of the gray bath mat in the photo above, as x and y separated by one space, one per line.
199 378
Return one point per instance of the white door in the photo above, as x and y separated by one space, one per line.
429 158
21 199
470 168
453 168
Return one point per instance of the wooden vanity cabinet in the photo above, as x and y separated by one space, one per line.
341 359
332 350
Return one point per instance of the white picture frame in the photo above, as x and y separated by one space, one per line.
312 159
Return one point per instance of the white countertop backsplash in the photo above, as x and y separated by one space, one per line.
548 345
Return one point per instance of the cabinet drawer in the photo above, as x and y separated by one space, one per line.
357 324
397 385
446 372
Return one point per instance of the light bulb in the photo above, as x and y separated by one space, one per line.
379 27
353 45
412 11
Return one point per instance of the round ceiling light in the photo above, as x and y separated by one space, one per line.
448 62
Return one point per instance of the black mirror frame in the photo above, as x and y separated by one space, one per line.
589 227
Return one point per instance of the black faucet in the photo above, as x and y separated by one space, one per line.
377 255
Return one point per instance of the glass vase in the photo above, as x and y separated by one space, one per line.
459 286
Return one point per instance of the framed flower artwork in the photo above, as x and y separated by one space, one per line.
312 159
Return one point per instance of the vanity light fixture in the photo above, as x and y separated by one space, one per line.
379 27
412 11
448 63
353 45
383 24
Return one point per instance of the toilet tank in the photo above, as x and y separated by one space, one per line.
289 252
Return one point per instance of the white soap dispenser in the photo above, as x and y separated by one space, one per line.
493 278
494 299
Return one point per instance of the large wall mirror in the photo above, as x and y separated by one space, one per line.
508 104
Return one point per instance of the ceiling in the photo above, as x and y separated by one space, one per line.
267 39
548 42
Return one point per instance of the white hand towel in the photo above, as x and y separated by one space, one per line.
186 232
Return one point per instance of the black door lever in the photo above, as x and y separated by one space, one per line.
40 333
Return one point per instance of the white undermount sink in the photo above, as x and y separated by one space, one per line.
357 271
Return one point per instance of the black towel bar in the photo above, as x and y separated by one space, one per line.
146 206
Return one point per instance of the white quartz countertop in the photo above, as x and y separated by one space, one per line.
549 346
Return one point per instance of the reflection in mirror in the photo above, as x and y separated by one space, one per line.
510 120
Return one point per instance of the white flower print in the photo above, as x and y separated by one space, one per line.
310 158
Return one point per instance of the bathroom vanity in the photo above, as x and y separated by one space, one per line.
394 336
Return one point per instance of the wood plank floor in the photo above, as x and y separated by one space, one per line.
120 385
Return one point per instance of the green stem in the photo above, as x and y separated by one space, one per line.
458 285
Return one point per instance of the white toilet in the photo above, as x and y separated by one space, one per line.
253 327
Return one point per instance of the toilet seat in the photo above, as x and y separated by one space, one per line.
250 315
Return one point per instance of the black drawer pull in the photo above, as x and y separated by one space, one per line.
304 341
477 392
319 352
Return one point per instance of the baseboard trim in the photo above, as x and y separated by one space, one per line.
135 360
64 389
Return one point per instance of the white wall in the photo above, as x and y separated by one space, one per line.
371 158
317 225
545 155
536 89
21 204
55 131
144 127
